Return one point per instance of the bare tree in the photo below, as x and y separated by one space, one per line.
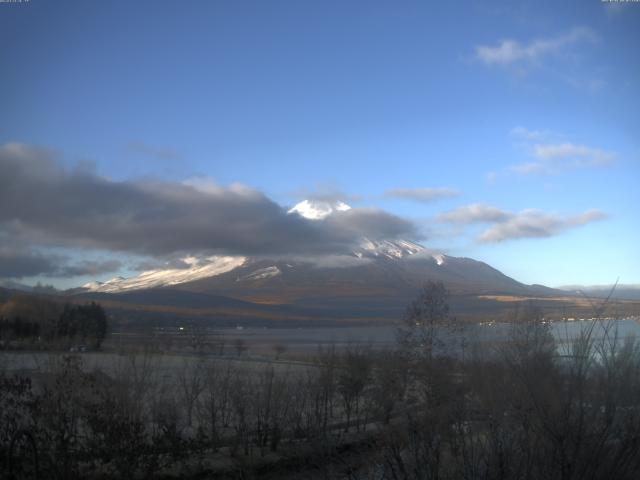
389 383
279 349
191 379
418 331
213 407
352 380
240 346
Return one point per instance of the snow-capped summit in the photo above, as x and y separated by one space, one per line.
201 267
392 248
318 209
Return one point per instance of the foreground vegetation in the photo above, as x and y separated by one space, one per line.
41 322
525 409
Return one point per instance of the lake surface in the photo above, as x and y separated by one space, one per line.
299 342
305 338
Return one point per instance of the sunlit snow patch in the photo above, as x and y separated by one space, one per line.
262 273
198 268
317 210
439 258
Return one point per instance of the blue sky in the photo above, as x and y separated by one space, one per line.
527 108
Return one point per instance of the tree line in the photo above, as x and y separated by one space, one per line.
30 317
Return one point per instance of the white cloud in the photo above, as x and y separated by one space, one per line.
536 224
523 133
45 204
422 194
553 155
583 156
528 168
529 223
474 213
509 51
207 185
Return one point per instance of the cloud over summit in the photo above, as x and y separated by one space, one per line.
44 204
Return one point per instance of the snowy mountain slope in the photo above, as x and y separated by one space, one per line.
198 268
387 248
387 268
205 267
373 282
261 273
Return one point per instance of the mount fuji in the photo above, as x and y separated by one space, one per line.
202 267
374 280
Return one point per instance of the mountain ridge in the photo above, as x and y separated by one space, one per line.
378 277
